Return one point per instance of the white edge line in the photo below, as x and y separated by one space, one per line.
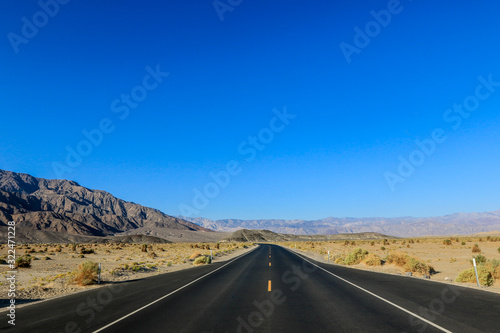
171 293
377 296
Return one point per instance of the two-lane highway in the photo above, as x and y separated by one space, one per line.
270 289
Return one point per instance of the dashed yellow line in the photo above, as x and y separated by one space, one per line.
269 264
269 286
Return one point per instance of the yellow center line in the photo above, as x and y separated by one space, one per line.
269 286
269 264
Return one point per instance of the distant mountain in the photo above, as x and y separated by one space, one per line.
459 224
246 235
64 206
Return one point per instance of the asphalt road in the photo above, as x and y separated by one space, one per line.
267 290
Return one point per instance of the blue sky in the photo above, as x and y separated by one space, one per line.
339 156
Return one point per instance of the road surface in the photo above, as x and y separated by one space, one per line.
269 289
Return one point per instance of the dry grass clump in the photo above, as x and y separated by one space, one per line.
86 273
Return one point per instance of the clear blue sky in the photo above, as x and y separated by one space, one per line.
353 120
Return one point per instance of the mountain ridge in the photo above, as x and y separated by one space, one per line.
66 206
451 224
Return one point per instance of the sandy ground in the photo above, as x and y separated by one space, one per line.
51 274
447 260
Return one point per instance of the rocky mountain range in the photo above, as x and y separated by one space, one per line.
59 210
454 224
64 206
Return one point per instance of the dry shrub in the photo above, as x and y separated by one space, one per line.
86 273
410 264
373 260
352 258
398 259
416 266
195 255
476 249
23 262
484 275
202 260
83 250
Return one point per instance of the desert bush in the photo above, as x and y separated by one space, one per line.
83 250
398 259
58 248
152 255
480 259
202 260
353 258
144 248
498 250
463 243
410 264
72 247
23 262
476 249
484 275
373 260
372 243
382 248
86 274
416 266
447 242
356 256
195 255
